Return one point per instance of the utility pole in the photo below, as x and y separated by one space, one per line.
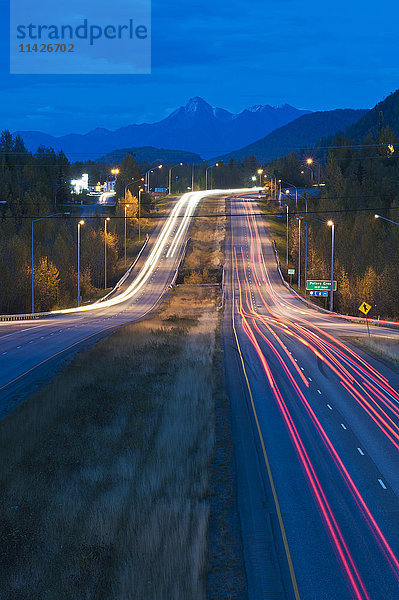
299 252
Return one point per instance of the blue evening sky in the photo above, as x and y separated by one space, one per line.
311 54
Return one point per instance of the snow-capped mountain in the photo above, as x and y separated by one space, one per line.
197 127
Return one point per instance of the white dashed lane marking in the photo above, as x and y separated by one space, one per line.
360 451
382 484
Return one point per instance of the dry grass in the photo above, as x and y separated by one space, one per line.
105 473
208 233
386 348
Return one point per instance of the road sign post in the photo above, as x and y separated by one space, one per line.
291 272
320 284
365 309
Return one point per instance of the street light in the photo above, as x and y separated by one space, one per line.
260 171
206 175
296 191
385 219
286 205
113 172
273 192
32 266
140 192
309 162
331 224
126 205
105 252
126 186
299 219
147 176
79 226
170 175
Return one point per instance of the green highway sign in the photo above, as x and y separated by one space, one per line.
291 271
320 284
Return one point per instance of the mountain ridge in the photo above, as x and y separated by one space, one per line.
304 132
196 127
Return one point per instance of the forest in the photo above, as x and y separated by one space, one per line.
35 186
360 181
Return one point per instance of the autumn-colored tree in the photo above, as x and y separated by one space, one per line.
46 280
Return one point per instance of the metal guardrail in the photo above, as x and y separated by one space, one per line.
125 275
182 257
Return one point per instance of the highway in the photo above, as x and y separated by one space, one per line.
316 433
31 350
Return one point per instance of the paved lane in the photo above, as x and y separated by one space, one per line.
317 430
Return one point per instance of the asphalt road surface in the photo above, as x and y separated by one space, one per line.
30 351
316 433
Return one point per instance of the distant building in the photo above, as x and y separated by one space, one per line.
78 185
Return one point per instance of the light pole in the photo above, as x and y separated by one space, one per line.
147 176
126 186
306 255
331 224
79 226
299 251
170 176
105 252
32 266
206 175
192 178
286 205
113 172
385 219
260 172
309 161
296 191
126 205
140 192
273 190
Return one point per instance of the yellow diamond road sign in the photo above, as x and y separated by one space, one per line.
364 308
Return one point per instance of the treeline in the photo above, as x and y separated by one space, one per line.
360 182
29 185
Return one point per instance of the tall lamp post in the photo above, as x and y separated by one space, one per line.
170 176
273 190
299 251
286 205
140 192
260 172
192 178
296 191
32 265
79 226
385 219
331 224
147 176
105 252
126 186
126 206
206 175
